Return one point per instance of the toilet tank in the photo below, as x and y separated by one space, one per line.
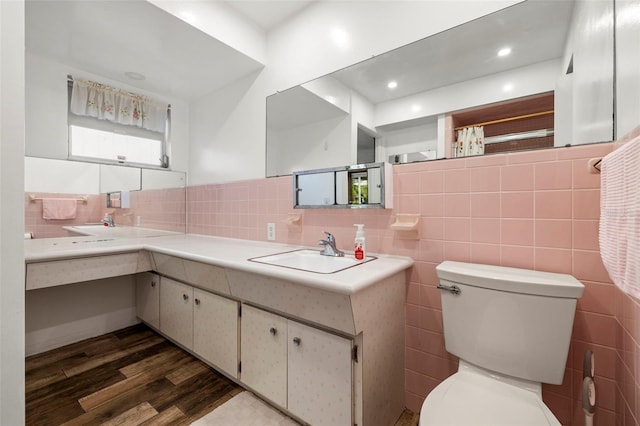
513 321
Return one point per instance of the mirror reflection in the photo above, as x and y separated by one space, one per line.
358 186
512 80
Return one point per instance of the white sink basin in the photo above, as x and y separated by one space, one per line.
311 261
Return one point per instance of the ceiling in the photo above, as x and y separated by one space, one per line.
536 31
109 38
268 14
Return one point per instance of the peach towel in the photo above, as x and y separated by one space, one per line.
620 216
59 208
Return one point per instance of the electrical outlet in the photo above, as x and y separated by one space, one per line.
271 231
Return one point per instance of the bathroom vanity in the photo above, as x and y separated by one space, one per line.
326 348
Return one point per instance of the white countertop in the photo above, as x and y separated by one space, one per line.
224 252
117 231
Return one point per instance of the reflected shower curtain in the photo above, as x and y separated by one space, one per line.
470 142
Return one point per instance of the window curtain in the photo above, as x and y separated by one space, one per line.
470 141
103 102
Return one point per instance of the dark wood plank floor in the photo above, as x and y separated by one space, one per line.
131 376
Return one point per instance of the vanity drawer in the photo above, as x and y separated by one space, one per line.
203 275
59 272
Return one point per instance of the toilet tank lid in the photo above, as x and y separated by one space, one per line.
513 280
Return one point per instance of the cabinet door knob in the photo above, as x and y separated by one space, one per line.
153 283
185 297
197 301
296 341
273 331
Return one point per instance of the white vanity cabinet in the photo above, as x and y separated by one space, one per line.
264 353
203 322
303 369
148 298
215 330
176 311
320 377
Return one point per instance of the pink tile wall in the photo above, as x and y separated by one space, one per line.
87 212
536 209
159 208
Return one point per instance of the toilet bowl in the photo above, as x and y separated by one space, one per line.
511 330
474 396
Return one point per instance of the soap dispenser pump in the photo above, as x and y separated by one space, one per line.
359 242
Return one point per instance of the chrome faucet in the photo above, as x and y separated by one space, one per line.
330 248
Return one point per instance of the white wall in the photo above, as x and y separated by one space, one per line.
46 102
313 146
228 127
12 402
524 81
57 316
584 99
627 66
221 22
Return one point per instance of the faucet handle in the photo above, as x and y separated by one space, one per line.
330 237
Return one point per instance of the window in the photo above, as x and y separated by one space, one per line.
113 126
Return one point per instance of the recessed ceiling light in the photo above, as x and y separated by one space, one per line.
416 108
392 84
340 37
507 87
135 75
504 51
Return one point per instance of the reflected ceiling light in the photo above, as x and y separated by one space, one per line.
392 84
340 37
330 99
135 75
507 87
416 108
188 16
505 51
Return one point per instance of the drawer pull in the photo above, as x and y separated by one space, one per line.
197 301
297 341
273 331
185 297
153 283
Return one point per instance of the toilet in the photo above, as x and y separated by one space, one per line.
511 330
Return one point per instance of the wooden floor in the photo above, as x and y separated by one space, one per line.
129 377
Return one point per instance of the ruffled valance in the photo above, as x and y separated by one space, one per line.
103 102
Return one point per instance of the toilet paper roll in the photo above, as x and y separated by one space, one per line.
28 235
588 364
588 396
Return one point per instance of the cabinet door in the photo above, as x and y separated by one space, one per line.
148 298
176 311
215 330
264 353
320 376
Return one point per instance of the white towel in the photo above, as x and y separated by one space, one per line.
620 216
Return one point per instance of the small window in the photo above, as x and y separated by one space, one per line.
112 126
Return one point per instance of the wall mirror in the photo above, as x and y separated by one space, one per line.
75 37
551 86
357 186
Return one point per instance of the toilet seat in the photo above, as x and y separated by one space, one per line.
471 397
